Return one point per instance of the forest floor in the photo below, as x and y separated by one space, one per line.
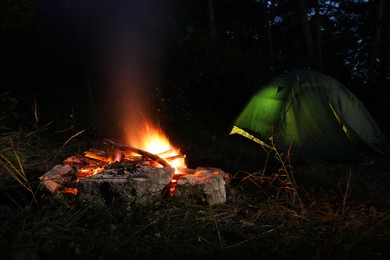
282 207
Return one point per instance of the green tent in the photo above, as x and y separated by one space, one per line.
314 114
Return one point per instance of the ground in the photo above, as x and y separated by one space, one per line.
281 207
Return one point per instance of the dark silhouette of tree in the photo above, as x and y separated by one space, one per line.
378 36
211 19
216 53
307 34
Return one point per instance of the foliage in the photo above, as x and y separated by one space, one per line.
59 53
342 211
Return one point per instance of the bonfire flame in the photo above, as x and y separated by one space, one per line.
151 144
153 140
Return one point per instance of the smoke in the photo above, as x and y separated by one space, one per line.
132 46
128 39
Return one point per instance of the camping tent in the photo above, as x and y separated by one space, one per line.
314 114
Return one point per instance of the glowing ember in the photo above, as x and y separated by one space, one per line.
109 159
89 171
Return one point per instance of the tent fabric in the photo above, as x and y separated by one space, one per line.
314 114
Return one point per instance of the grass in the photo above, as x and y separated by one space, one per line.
287 208
277 176
243 228
15 170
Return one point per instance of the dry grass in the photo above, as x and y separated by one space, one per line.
13 166
262 219
287 209
245 227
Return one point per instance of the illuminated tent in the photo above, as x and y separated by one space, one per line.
313 113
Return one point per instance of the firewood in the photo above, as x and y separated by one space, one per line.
101 157
81 161
174 157
147 155
165 152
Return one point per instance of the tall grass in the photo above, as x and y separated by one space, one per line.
13 166
20 149
348 189
277 179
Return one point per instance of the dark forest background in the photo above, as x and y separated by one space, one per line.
207 57
193 64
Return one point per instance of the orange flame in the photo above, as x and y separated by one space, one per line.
153 140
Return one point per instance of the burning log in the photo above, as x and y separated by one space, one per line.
81 161
58 179
100 156
134 175
147 155
124 180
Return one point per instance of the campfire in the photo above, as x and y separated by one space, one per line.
120 170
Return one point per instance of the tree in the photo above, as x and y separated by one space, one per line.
266 7
211 20
308 36
375 43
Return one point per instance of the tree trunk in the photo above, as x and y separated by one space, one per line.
307 34
382 81
268 31
318 40
384 71
372 62
211 20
